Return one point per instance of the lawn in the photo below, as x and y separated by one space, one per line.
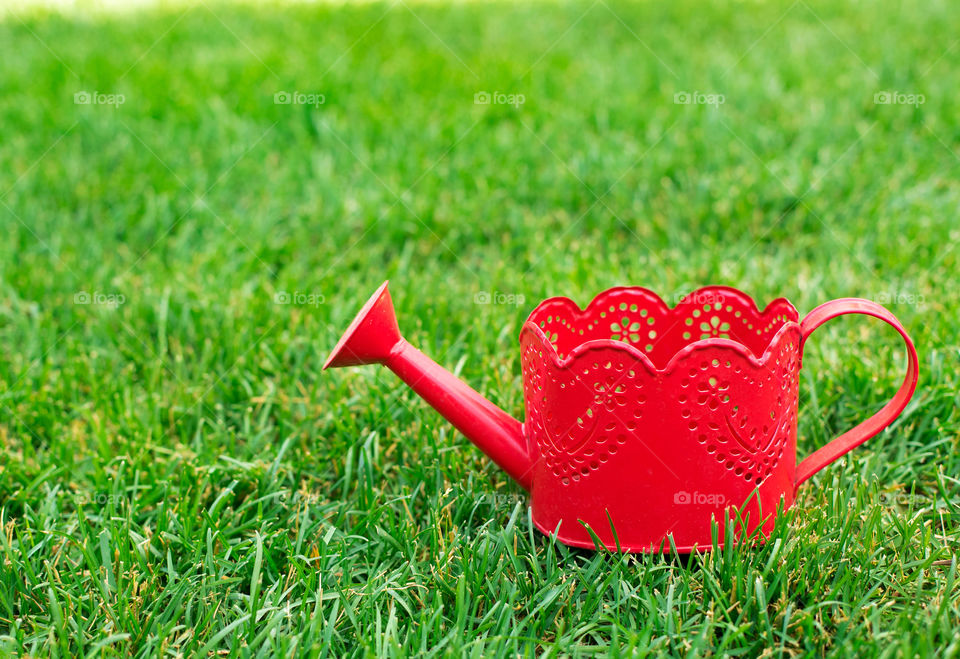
181 249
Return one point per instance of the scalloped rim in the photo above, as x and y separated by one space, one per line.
701 344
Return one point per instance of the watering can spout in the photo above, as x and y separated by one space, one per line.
374 338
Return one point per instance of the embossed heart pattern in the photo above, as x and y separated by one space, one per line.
647 426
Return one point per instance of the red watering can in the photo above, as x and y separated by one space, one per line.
642 421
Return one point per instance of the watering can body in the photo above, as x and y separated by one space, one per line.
647 427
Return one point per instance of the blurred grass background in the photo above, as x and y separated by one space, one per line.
178 477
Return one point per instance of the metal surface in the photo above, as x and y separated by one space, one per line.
642 421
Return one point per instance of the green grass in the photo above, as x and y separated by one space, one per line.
178 477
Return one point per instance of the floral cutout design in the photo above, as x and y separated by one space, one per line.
639 318
625 330
576 440
588 375
743 413
715 328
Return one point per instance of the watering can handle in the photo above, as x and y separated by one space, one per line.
866 429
